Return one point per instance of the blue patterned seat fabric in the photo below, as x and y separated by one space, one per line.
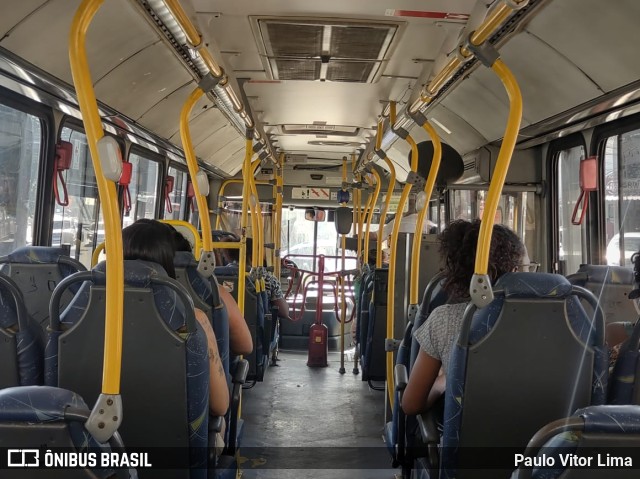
624 383
140 274
203 288
44 404
602 420
29 349
514 285
43 255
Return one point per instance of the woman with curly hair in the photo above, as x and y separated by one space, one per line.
441 329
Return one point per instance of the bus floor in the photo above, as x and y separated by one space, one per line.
313 422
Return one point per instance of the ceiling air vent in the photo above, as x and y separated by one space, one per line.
324 50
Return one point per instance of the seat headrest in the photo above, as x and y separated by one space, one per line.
606 274
611 419
37 254
533 285
37 404
451 165
184 259
137 273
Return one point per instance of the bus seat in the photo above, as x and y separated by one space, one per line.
162 344
374 359
205 295
253 314
204 292
534 333
402 431
624 383
21 351
44 417
611 285
605 429
394 429
37 270
362 311
434 296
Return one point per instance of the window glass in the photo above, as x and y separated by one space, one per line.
622 197
77 224
20 146
571 238
143 188
178 197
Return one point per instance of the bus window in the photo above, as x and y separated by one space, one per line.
143 188
622 182
178 196
20 146
571 238
77 224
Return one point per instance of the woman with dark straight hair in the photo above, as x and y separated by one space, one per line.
150 240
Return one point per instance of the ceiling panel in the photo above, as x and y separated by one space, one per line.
203 122
601 38
550 83
116 33
164 117
141 82
11 16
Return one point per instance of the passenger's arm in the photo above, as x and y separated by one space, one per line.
218 388
240 341
418 395
277 297
616 333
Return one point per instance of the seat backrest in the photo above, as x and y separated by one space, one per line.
611 285
530 357
606 434
624 383
433 297
205 295
253 314
21 351
162 345
48 418
362 311
374 360
37 270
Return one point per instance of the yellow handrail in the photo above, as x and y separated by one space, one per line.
374 201
108 196
343 304
417 237
357 197
385 209
95 256
109 401
277 235
197 240
480 289
192 164
244 220
364 219
258 234
392 265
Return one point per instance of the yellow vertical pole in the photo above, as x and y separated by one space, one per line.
343 302
417 237
244 218
279 195
100 424
480 288
393 257
385 210
363 219
373 202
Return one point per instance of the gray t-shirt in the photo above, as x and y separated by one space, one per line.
439 332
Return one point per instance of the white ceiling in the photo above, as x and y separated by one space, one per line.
571 52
